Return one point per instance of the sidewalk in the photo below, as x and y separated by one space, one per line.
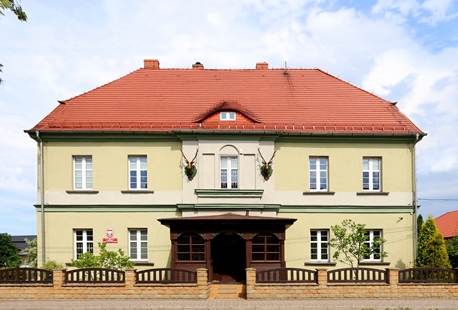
175 304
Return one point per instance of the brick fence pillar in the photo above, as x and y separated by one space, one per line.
202 283
393 276
130 277
250 282
58 276
322 276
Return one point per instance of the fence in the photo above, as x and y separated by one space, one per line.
428 275
94 275
25 275
360 275
286 275
166 275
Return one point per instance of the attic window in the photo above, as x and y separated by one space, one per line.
227 116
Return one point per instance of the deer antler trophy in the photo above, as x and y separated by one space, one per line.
266 167
190 169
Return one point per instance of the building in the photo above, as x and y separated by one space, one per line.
225 169
447 224
22 246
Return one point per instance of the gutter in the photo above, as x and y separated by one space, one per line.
42 199
414 202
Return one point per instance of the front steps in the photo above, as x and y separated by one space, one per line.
220 290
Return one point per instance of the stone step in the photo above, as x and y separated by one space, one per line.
227 291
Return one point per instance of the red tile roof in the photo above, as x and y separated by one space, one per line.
448 224
292 100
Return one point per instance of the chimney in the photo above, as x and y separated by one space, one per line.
262 65
151 64
198 66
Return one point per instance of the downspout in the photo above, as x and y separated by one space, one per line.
42 199
414 187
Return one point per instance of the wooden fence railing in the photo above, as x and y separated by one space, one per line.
360 275
25 275
166 275
428 275
94 275
290 275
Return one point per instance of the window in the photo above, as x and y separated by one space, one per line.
138 172
319 249
265 247
190 248
82 172
84 242
371 236
371 174
229 172
227 116
138 244
318 173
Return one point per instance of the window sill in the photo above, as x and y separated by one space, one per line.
142 263
137 191
368 193
229 193
83 191
319 193
320 263
374 263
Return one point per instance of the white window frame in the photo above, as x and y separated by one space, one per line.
138 165
371 235
371 173
319 174
320 245
86 242
227 116
135 238
229 172
85 173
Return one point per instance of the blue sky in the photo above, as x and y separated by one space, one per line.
402 50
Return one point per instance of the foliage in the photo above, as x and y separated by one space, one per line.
12 6
106 259
435 252
9 256
452 250
190 172
52 264
266 171
432 250
31 252
350 245
419 224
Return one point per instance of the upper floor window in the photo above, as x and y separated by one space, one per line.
138 244
82 172
138 178
371 174
319 248
229 172
318 173
84 242
371 236
227 116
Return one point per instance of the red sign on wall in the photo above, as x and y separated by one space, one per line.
110 240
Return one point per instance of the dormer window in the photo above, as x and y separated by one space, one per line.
227 116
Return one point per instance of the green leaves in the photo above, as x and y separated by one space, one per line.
107 259
351 245
9 256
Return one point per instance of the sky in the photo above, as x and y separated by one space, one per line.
404 51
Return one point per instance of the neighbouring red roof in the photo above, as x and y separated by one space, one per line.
292 100
448 224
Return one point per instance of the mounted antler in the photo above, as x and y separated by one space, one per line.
190 169
266 168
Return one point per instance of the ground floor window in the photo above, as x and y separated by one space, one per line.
371 236
190 247
266 247
84 241
319 248
138 244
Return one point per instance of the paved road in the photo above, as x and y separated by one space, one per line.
184 304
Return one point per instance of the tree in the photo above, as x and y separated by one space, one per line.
106 259
12 6
351 243
9 256
419 224
452 250
31 252
431 249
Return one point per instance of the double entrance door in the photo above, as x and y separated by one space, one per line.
228 258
